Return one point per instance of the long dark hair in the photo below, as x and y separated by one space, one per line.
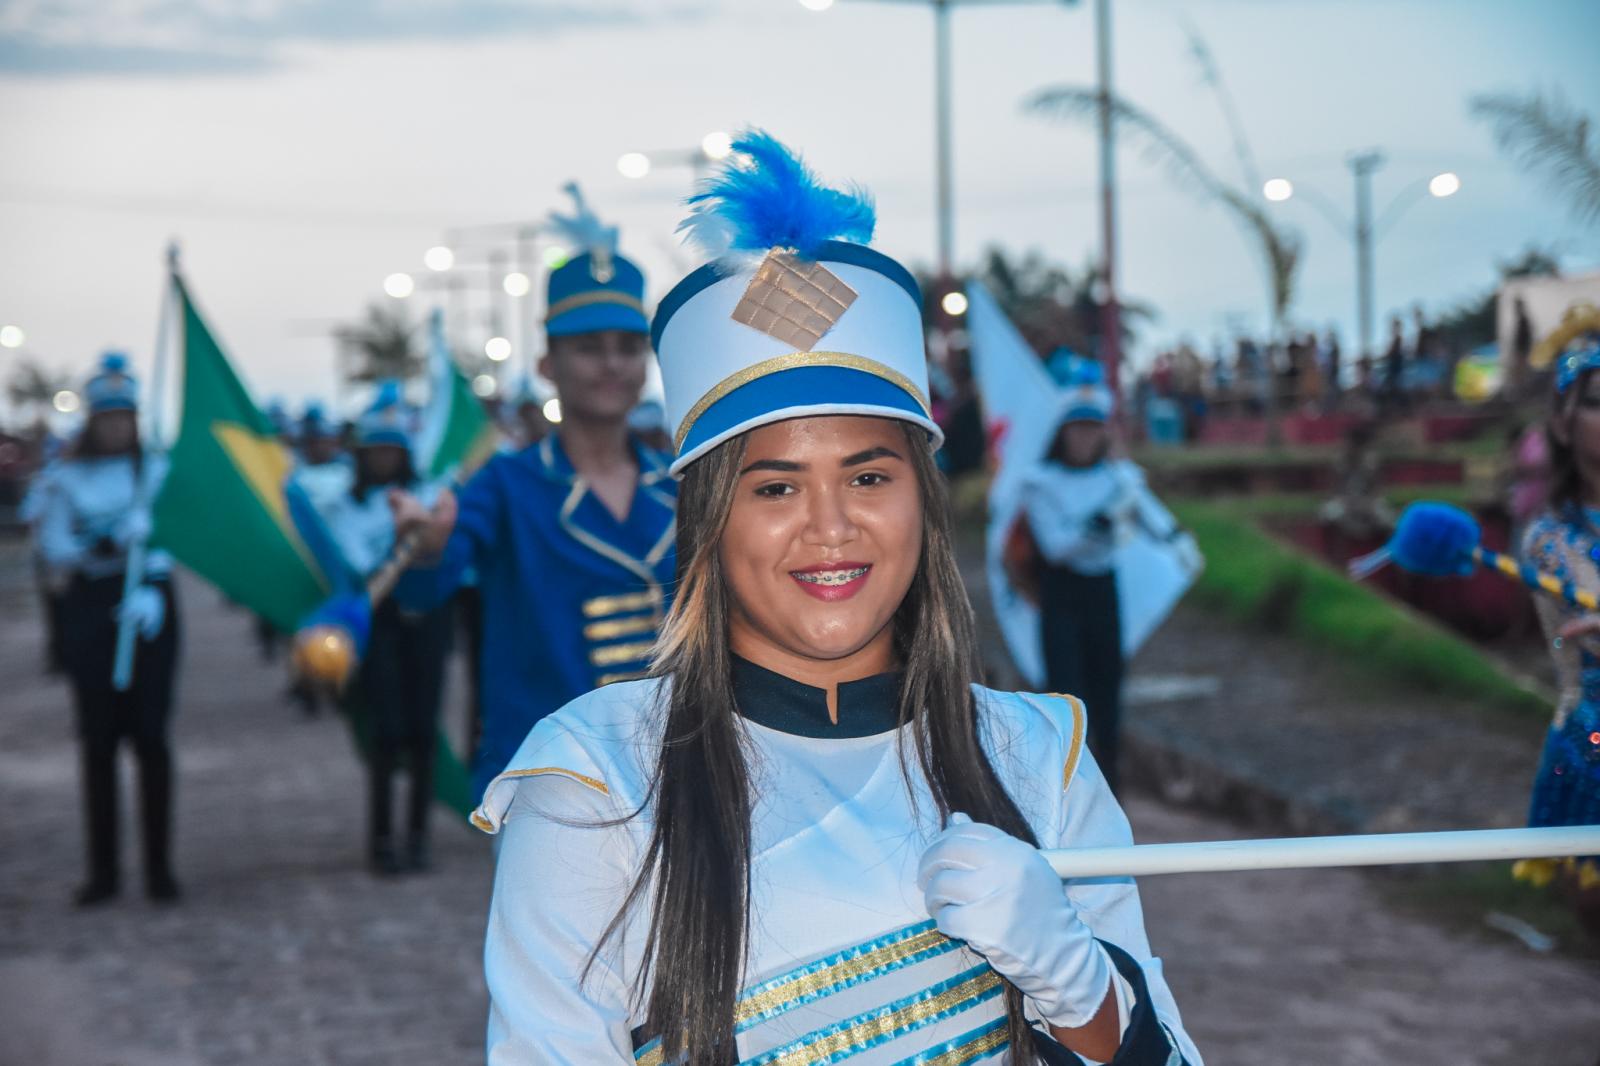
1566 480
698 859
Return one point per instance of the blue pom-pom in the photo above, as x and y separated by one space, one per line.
766 197
1435 539
114 363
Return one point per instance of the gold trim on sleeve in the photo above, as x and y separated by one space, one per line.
612 628
1075 746
561 771
611 679
612 654
601 606
789 362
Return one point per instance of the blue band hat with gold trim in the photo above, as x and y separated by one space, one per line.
112 388
795 317
596 289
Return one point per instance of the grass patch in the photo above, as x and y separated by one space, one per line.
1461 895
1255 578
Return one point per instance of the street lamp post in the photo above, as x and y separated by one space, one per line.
944 182
1363 232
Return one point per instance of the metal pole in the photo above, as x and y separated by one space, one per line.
1362 166
1111 312
1300 853
525 259
941 88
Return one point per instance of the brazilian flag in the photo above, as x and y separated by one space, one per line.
229 511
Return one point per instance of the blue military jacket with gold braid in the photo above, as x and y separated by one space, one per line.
572 598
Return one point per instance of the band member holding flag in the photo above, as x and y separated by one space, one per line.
1564 542
809 834
401 680
94 510
570 538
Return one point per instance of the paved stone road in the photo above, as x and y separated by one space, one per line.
287 952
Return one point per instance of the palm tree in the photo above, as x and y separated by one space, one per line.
1280 248
1546 135
32 387
1050 305
383 344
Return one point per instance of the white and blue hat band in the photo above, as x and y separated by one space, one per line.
800 325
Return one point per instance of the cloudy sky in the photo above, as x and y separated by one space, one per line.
303 151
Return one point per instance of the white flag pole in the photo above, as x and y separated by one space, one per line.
1296 853
122 667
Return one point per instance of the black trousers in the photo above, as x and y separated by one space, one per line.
107 717
1081 630
402 682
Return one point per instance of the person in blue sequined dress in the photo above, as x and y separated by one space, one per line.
1564 540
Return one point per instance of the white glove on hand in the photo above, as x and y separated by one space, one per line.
145 609
999 895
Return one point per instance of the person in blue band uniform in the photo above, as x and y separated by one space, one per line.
1564 541
401 681
809 835
95 508
571 537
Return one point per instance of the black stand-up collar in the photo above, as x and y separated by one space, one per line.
866 707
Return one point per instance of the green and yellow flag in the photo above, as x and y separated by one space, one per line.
229 511
224 509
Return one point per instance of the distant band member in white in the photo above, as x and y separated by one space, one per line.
810 837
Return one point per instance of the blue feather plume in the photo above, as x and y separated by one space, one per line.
765 197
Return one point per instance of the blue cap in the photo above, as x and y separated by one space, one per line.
595 291
112 388
314 421
385 422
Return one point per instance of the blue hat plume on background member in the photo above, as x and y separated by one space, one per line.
1084 382
794 317
597 288
386 420
111 387
1580 356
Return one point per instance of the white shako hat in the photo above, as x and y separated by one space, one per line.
794 317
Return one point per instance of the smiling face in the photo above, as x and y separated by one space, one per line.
598 375
821 545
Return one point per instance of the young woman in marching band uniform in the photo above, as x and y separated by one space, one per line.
810 836
1565 541
94 509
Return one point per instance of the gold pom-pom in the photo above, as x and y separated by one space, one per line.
325 654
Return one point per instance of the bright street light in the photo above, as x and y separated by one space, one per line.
483 385
1446 184
399 285
633 164
816 5
552 410
498 349
11 337
716 145
1278 189
439 258
954 303
516 283
555 257
65 401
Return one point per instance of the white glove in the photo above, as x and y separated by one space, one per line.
999 895
145 609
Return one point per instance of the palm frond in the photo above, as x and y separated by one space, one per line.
1280 248
1546 135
